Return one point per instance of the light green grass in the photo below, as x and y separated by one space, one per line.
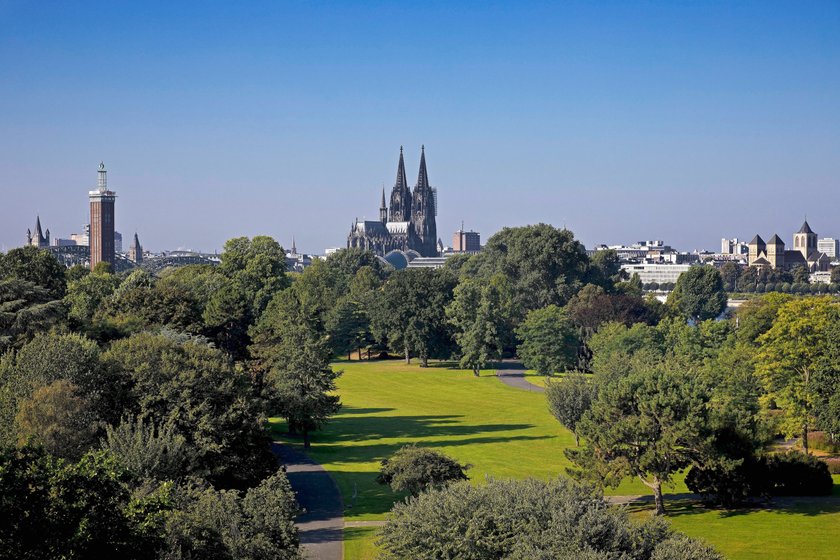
359 543
801 530
500 431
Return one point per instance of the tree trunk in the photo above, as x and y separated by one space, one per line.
657 497
475 371
656 486
305 438
349 356
805 437
407 356
368 354
424 361
577 439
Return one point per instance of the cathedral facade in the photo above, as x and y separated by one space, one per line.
409 223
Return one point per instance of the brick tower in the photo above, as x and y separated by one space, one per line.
102 221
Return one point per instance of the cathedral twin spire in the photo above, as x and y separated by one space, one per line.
402 203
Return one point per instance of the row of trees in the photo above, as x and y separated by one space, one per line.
709 396
132 419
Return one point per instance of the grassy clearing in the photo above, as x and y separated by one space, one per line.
500 431
807 529
505 432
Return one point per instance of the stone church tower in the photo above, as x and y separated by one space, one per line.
423 211
401 195
805 240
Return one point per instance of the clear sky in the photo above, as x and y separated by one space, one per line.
682 121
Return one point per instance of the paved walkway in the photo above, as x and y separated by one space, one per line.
513 374
322 525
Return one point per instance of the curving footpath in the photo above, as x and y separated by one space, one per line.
513 375
321 526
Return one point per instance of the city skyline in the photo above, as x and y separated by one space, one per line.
682 123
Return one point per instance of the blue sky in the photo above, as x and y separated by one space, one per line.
682 121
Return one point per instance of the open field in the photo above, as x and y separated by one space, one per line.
502 432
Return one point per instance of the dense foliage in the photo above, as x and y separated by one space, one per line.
526 519
414 469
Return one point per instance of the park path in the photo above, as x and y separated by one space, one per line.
513 375
321 527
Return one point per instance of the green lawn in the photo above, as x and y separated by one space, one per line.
501 432
802 530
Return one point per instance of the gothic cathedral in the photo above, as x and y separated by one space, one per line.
410 223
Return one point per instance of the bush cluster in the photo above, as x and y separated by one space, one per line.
788 474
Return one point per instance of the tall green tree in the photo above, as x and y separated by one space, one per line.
212 404
27 309
409 315
480 322
650 424
296 358
569 399
35 265
699 294
791 351
544 265
549 340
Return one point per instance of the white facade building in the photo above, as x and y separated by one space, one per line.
829 246
659 273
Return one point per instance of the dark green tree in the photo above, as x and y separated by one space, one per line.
801 274
296 358
212 404
549 340
479 316
415 469
650 424
409 314
699 294
544 265
35 265
27 309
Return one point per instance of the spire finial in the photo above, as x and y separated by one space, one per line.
401 148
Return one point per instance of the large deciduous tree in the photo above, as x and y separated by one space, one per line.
791 351
481 322
544 265
210 403
549 342
699 294
35 265
410 316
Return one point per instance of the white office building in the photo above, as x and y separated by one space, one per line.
829 246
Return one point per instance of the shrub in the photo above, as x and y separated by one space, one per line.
797 474
527 519
730 486
833 464
415 469
786 287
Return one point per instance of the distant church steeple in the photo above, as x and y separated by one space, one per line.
383 209
401 195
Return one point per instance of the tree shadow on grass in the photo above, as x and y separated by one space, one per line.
795 506
364 428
